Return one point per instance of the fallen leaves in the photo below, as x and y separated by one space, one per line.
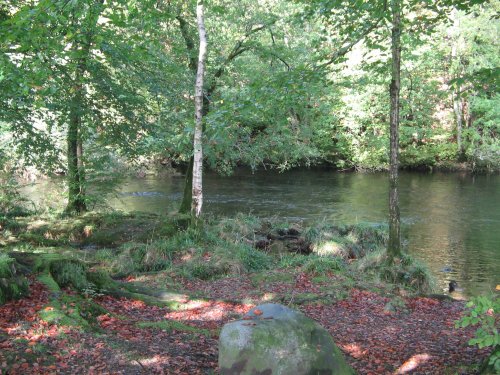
421 339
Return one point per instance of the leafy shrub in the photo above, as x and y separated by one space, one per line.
484 313
408 272
11 202
404 271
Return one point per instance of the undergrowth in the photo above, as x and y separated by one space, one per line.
403 271
215 248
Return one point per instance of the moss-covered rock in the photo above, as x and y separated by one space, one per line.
69 273
12 285
273 339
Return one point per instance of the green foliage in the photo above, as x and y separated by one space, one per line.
485 135
204 270
69 273
323 265
253 259
483 313
351 241
11 202
7 268
288 261
404 271
70 310
12 286
279 97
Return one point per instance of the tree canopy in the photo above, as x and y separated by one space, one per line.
89 85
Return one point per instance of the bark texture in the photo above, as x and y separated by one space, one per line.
76 174
197 192
394 246
457 101
82 45
237 50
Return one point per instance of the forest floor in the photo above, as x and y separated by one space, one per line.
378 335
168 321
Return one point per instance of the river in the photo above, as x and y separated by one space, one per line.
450 221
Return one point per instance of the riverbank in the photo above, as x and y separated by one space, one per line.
173 288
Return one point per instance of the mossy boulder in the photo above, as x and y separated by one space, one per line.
12 285
273 339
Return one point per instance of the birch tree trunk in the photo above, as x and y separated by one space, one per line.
394 246
197 191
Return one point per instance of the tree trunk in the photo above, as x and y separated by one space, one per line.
187 196
76 170
197 201
457 101
394 246
237 50
76 178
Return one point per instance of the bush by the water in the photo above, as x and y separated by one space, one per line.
404 270
346 241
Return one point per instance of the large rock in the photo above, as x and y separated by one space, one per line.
275 340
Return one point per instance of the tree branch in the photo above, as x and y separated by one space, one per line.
237 50
183 25
347 47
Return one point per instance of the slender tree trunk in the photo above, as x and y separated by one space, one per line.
187 197
198 131
76 176
76 169
457 102
237 50
394 246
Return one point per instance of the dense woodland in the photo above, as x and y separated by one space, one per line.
287 84
93 90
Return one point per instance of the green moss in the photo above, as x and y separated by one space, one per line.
7 268
69 310
69 273
49 282
73 311
172 325
12 286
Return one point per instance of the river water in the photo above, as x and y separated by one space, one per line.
450 221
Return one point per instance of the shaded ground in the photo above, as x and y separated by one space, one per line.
378 334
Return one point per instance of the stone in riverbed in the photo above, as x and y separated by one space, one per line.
274 340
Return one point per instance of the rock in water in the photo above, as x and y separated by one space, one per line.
274 340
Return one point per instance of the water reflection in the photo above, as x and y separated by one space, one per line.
450 221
